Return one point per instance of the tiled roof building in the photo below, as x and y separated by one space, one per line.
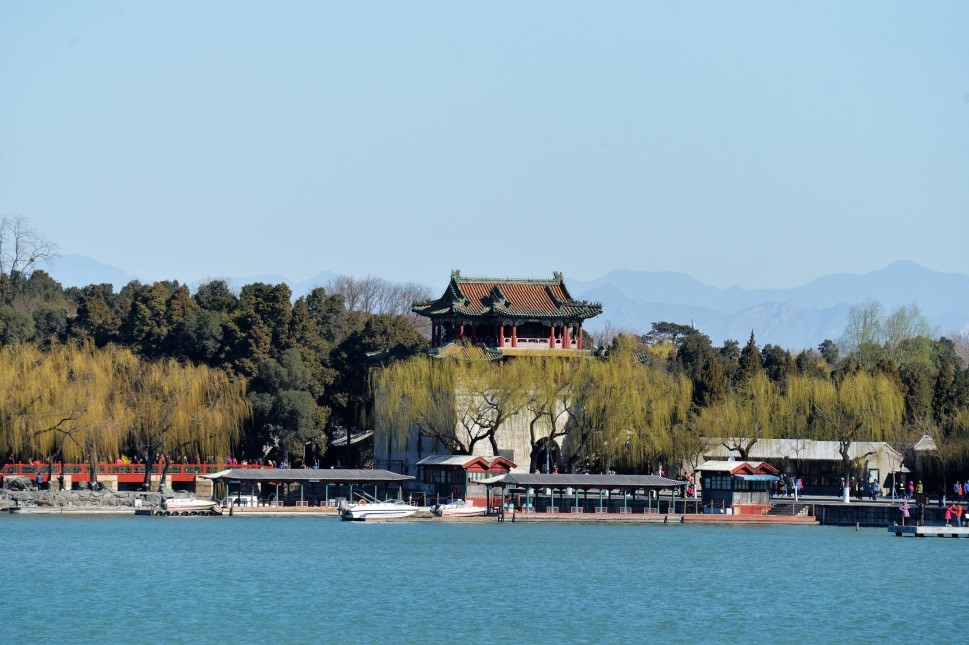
508 313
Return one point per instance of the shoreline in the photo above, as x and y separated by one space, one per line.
426 516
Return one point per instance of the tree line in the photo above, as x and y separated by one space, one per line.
296 371
300 365
662 397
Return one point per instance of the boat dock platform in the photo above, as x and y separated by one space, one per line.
930 531
654 518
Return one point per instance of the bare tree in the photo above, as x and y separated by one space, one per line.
960 342
371 296
22 247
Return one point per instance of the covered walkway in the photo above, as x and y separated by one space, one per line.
316 487
639 493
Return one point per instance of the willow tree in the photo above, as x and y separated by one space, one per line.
752 412
459 400
549 402
64 403
625 411
860 407
419 392
489 394
178 407
951 438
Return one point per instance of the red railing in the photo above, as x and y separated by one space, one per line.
126 473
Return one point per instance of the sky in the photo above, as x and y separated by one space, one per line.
758 144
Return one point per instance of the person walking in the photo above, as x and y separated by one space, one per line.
957 489
873 490
904 510
911 489
957 513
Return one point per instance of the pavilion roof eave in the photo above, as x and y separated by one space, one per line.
307 475
630 482
499 314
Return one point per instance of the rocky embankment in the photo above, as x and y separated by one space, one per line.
20 492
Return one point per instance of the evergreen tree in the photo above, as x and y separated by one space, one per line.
749 364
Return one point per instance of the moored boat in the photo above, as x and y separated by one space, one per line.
458 508
188 506
364 510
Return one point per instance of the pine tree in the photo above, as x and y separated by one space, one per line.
749 362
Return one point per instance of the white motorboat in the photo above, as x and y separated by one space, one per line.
458 508
188 506
374 510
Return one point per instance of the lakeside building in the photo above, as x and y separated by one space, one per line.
460 476
743 487
819 463
504 317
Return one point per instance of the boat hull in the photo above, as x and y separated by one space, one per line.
188 505
477 512
362 512
459 508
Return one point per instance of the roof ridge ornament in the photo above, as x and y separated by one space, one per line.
497 298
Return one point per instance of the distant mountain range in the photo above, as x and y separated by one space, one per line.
794 318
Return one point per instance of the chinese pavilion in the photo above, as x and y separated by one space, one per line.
508 313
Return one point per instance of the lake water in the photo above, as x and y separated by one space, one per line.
310 580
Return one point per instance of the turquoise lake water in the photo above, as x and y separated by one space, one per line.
128 579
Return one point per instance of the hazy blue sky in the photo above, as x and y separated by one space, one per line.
760 144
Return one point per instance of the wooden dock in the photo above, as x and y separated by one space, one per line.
930 531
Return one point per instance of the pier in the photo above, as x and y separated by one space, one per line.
930 531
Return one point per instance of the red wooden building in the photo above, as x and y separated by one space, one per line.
458 476
508 314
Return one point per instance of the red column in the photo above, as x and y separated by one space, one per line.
461 330
551 337
514 335
565 337
501 335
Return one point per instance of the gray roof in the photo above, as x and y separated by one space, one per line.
449 460
584 481
323 475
